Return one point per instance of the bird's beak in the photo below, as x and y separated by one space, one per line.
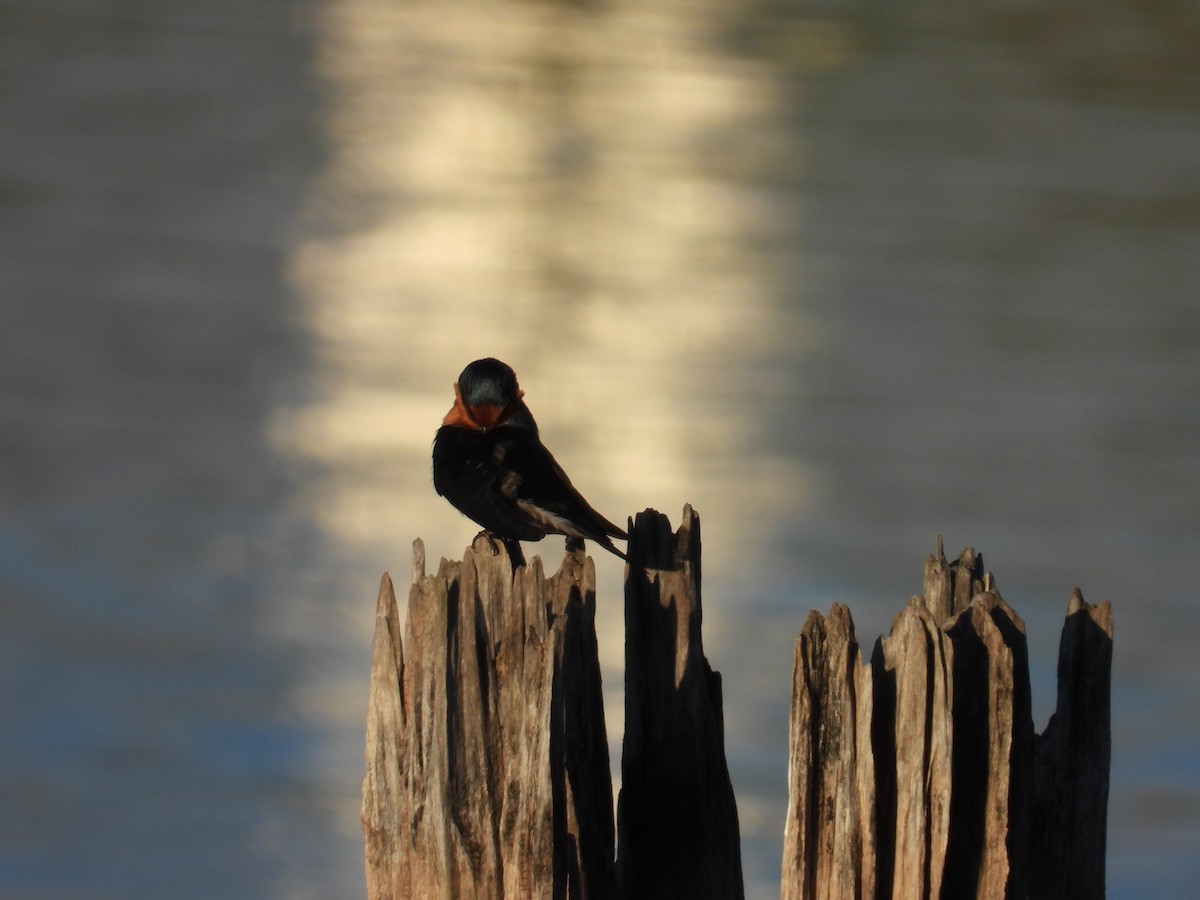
481 416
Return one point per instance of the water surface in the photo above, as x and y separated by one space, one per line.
841 277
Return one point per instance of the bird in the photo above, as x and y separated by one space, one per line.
490 463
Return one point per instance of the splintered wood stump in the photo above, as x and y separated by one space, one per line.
677 826
1070 809
915 775
487 761
919 775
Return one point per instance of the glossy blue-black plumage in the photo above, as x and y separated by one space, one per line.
489 462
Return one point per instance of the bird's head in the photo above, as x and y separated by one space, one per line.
486 395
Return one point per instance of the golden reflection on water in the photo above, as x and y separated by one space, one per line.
567 188
555 186
664 222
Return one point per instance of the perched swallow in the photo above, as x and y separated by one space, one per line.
490 464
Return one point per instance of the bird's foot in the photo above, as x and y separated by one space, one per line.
575 544
491 541
511 545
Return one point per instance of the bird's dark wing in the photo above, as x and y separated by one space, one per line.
510 484
539 486
467 471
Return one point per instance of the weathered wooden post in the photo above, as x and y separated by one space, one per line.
1070 776
919 774
487 761
677 825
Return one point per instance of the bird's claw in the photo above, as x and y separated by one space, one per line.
491 539
511 545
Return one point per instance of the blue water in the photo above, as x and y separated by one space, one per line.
842 278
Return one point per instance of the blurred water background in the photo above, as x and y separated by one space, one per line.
842 275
